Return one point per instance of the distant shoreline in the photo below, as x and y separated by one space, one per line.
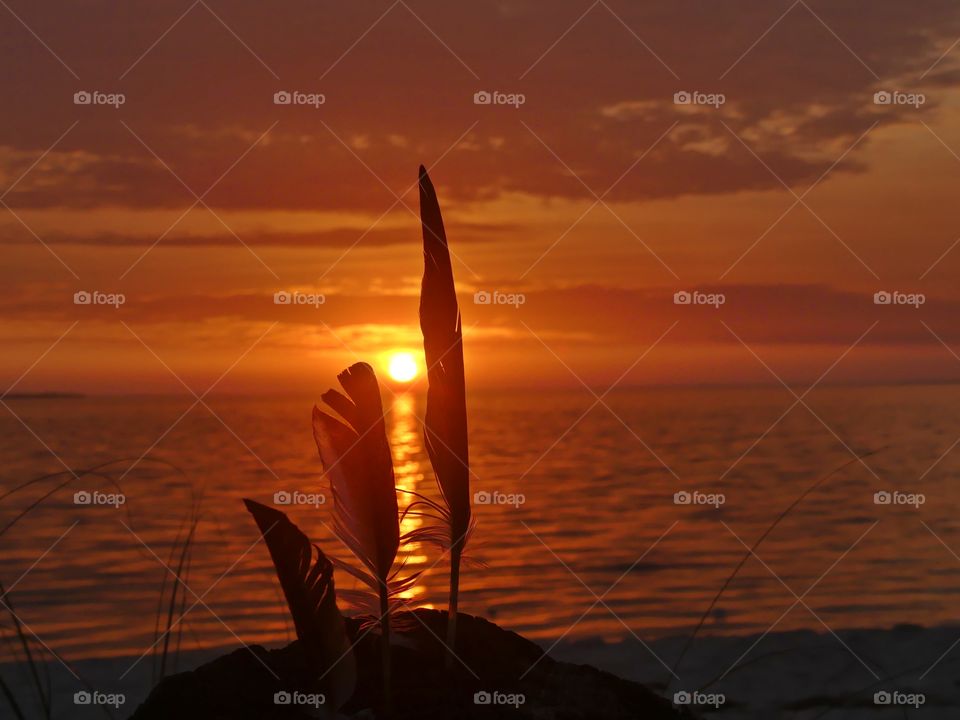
46 396
416 389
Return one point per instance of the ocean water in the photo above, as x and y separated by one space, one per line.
583 538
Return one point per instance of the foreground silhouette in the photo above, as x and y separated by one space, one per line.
237 687
385 663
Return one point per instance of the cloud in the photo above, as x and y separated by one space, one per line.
587 315
340 238
598 98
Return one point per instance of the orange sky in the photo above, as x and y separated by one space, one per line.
597 199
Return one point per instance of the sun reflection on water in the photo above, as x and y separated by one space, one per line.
407 446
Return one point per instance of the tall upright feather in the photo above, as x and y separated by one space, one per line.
445 431
356 458
311 597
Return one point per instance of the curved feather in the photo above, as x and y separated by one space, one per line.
445 422
311 596
357 460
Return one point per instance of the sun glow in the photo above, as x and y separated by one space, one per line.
402 366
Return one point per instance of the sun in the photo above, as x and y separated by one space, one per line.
402 366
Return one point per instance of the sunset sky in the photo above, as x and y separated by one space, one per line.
596 199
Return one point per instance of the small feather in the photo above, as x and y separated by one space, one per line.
311 597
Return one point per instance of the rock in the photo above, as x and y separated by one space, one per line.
489 660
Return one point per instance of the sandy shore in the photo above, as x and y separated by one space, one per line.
794 676
799 675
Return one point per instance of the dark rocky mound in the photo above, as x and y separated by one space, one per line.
238 687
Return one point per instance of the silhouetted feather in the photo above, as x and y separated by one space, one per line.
446 416
445 423
312 601
357 460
